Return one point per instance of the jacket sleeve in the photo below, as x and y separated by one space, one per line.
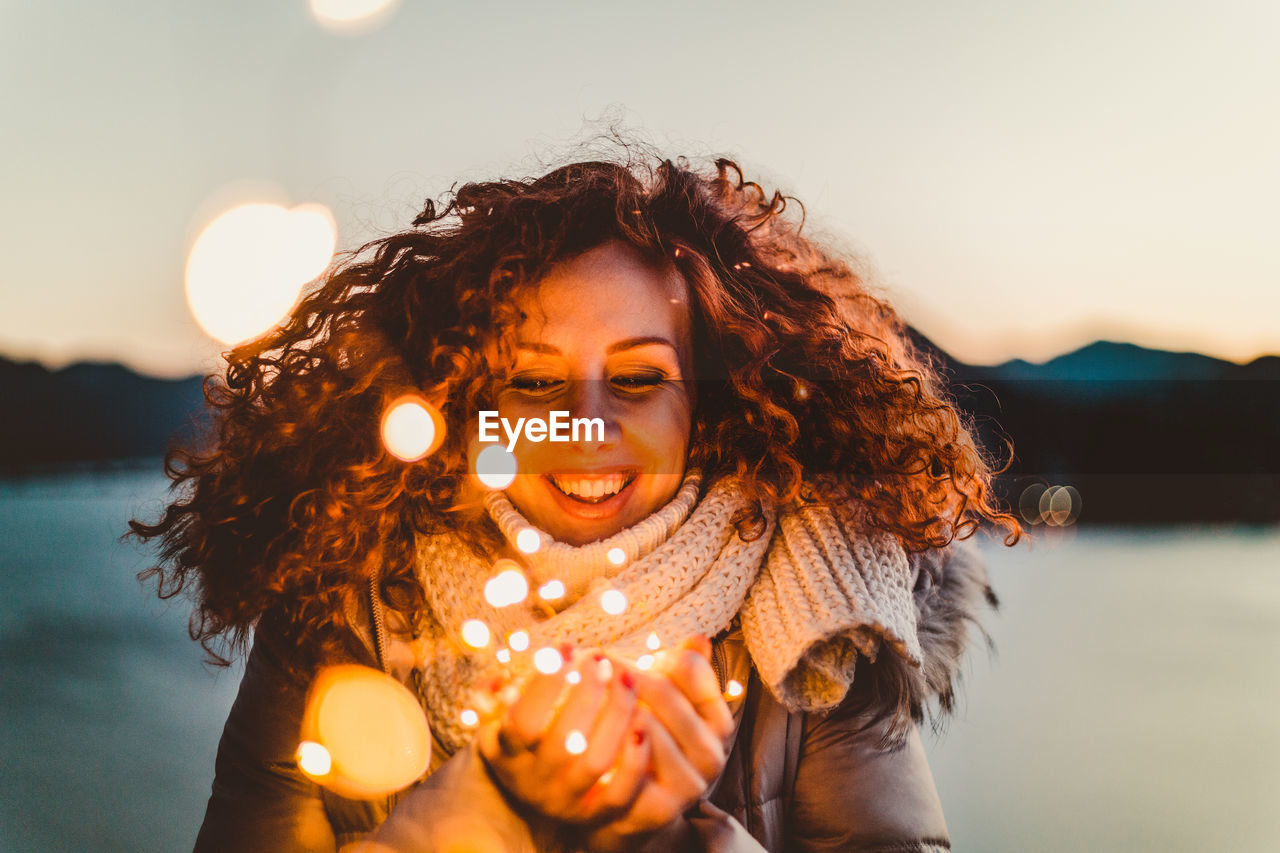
854 791
260 800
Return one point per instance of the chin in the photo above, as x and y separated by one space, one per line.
578 508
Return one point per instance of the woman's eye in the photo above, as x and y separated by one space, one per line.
534 384
638 381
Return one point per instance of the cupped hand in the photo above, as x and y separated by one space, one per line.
688 721
551 747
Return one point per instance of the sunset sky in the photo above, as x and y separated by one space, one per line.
1020 177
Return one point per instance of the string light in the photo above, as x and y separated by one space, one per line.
613 602
475 633
547 661
503 655
575 743
412 428
496 467
644 662
528 541
469 717
551 590
509 586
653 643
617 556
314 759
733 690
519 640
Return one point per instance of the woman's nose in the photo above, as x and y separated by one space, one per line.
593 403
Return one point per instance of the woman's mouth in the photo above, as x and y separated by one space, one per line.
592 490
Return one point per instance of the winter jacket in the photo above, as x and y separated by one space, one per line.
855 779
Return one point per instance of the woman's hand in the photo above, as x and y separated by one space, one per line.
528 750
690 724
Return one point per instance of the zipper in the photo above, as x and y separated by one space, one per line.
717 664
379 624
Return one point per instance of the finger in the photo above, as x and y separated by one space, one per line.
693 675
612 726
695 738
529 717
697 643
567 736
672 772
617 789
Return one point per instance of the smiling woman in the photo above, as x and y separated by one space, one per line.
768 503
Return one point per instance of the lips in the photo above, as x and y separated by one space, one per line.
575 492
591 489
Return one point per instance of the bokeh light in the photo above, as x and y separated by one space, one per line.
469 717
519 641
613 602
496 467
412 428
733 689
248 266
653 643
475 633
503 655
352 17
645 662
575 742
314 759
528 541
547 661
617 556
551 590
372 728
509 586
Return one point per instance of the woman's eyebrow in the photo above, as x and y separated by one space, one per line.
625 344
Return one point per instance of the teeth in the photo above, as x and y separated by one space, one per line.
591 488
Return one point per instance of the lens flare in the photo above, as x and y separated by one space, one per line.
248 266
496 467
412 428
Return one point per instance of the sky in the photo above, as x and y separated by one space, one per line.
1019 178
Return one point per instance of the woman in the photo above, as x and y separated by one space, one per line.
769 463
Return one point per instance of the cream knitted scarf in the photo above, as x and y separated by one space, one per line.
814 590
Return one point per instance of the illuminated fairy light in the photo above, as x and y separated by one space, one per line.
573 676
475 633
733 689
247 268
503 655
575 743
802 391
519 640
351 17
364 734
412 429
607 777
551 590
653 643
469 717
509 586
528 541
496 467
645 662
547 661
613 602
314 759
617 556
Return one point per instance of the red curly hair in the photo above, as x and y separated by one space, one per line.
294 504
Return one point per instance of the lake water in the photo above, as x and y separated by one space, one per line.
1131 705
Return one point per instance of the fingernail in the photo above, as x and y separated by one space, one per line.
638 737
628 680
566 650
604 669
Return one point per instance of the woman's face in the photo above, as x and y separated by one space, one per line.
605 335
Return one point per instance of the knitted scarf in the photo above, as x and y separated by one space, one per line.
817 588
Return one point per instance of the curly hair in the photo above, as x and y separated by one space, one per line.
292 505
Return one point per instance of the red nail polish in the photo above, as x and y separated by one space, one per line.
628 680
597 656
566 650
638 737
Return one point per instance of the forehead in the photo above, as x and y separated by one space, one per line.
610 292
